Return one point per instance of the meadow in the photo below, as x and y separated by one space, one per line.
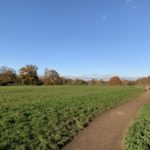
138 137
47 117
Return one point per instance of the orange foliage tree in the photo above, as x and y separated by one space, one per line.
115 81
28 75
7 76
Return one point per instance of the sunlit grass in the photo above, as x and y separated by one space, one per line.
46 117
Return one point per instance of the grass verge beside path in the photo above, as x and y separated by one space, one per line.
46 117
138 137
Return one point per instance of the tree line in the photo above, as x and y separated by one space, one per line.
28 76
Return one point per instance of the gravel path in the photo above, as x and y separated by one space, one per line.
107 131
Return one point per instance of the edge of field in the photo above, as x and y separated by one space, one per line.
107 110
138 120
117 105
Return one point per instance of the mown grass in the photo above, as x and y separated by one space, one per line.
138 137
47 117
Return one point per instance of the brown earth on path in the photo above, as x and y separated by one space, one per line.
107 131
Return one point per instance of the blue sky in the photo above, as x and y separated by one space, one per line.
77 37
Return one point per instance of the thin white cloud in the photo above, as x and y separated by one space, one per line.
132 4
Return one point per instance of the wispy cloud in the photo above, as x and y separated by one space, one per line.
132 4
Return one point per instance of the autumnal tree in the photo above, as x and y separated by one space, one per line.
100 82
96 82
131 83
79 82
51 77
28 75
143 81
115 81
92 82
66 81
124 82
7 75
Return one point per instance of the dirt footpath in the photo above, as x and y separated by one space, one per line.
107 131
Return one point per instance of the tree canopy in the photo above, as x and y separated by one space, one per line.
7 75
28 74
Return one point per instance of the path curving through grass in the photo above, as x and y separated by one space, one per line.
107 131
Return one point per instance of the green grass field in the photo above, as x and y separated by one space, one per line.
138 137
47 117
